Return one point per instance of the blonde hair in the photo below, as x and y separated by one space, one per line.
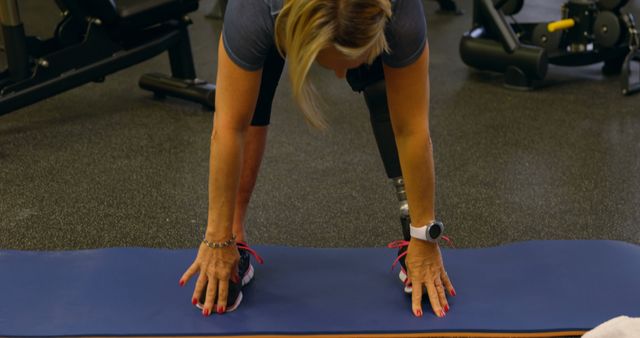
304 27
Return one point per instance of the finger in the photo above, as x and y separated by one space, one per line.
447 283
212 289
441 295
192 270
416 299
223 292
200 286
433 298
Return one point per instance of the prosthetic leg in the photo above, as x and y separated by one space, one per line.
369 79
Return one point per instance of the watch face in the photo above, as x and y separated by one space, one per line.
434 231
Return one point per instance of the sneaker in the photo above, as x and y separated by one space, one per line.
245 268
402 246
245 274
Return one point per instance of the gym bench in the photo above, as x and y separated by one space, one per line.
95 39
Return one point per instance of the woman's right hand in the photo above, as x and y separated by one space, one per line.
216 266
426 269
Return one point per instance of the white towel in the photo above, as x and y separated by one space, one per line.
619 327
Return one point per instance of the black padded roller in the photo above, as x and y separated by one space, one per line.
487 54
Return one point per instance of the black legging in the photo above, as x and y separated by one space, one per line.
271 72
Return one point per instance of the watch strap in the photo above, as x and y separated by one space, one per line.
419 232
424 232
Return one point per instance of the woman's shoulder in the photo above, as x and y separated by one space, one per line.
406 33
248 31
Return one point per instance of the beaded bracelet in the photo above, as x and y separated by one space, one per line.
220 245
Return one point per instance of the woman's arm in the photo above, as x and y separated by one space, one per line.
236 96
408 99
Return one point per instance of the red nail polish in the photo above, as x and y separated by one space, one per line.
446 308
453 292
419 313
181 283
219 310
442 314
206 312
194 301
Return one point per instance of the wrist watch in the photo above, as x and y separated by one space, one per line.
430 232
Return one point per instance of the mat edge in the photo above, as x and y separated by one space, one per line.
384 335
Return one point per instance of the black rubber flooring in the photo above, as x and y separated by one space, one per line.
105 165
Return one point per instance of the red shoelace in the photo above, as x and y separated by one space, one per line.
398 244
245 246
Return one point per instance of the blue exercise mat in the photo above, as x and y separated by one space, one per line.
543 287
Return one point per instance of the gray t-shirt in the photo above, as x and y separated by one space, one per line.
248 32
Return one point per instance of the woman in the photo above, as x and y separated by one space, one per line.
339 35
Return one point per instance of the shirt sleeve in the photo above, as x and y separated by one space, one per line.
406 33
247 33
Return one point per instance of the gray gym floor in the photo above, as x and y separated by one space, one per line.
105 165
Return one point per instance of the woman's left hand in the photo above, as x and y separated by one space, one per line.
425 269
